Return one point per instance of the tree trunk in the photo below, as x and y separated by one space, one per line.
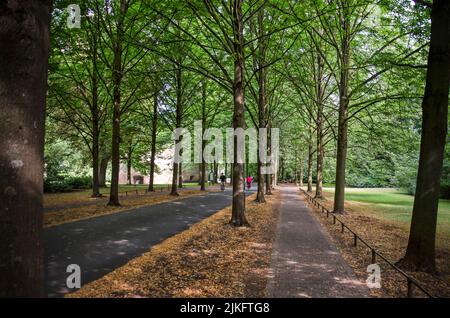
420 253
262 48
310 164
238 208
129 155
95 145
24 42
341 156
179 112
203 163
216 173
301 173
153 150
102 171
180 176
319 124
117 81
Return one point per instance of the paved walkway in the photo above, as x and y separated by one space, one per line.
99 245
305 262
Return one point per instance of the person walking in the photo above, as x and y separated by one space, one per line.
249 182
223 179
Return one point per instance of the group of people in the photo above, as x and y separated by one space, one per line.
223 180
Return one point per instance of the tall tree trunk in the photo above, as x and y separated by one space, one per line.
301 173
95 140
420 253
117 81
269 150
24 42
102 171
310 164
180 176
179 112
215 173
153 150
203 163
341 156
226 171
129 158
262 48
238 208
95 119
319 124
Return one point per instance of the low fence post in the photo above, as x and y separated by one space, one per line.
410 288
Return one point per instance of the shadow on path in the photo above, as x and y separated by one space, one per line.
305 261
101 244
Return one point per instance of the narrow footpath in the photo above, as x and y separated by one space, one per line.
305 261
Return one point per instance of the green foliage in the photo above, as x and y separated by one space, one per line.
65 168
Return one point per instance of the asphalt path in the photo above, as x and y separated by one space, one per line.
101 244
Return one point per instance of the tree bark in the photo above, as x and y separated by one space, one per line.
262 48
153 150
341 156
319 124
179 112
129 158
310 164
203 163
301 173
238 207
24 42
117 81
95 138
180 176
102 171
420 253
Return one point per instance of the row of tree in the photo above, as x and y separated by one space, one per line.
331 74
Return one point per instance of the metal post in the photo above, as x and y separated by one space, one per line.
410 288
374 256
342 227
355 240
334 219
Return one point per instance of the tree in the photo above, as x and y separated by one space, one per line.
77 90
420 253
24 41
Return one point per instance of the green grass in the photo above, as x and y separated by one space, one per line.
392 205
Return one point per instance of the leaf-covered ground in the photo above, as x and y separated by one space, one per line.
390 239
72 214
84 196
210 259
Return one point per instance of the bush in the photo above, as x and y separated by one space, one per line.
405 178
67 184
84 182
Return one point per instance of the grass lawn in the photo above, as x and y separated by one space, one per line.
392 205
